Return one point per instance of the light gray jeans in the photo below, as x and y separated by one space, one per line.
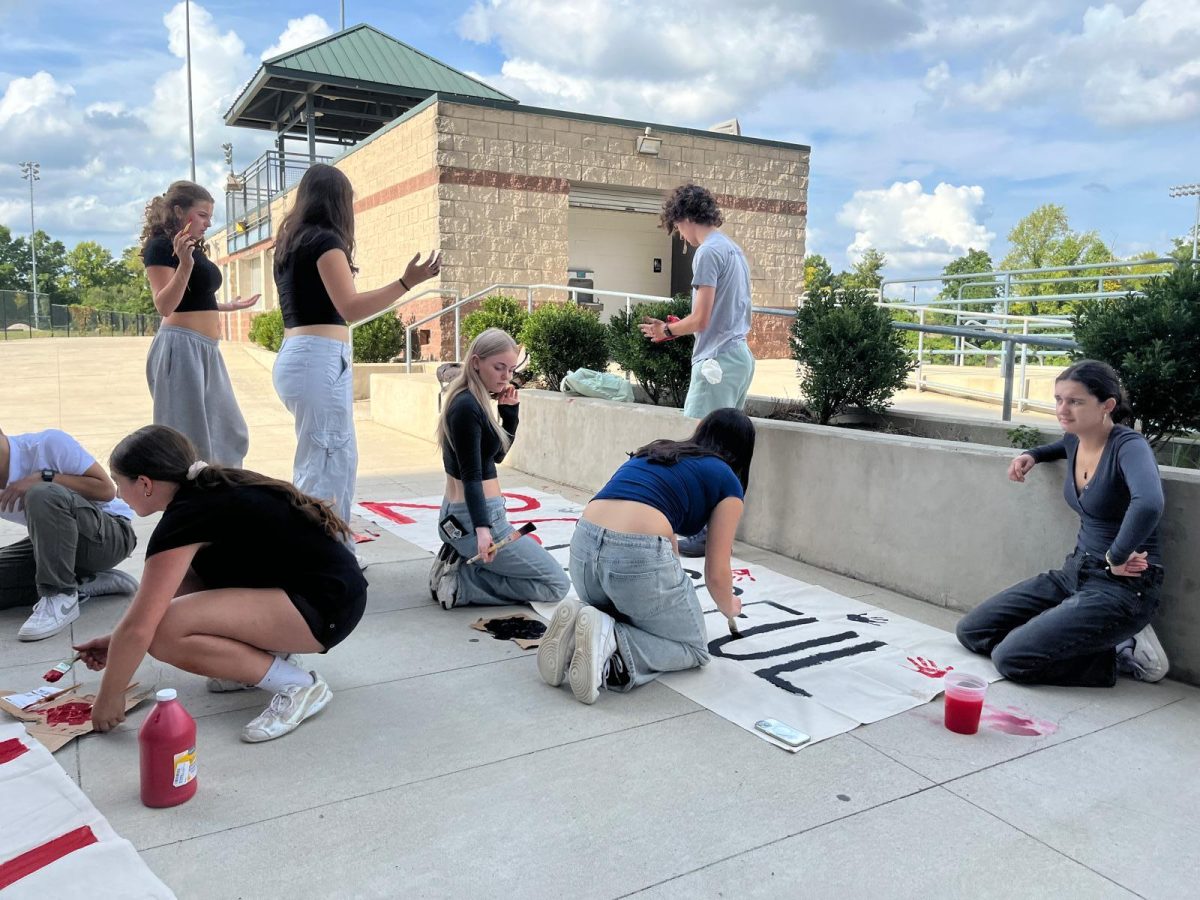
313 378
638 580
193 394
523 572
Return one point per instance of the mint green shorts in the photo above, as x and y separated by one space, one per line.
737 371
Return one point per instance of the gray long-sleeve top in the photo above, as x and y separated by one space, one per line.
1121 504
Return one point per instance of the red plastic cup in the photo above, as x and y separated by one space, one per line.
964 701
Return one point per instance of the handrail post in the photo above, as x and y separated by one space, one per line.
1009 368
1024 357
529 299
920 350
457 333
408 350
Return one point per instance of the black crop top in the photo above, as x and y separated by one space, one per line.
200 295
302 294
474 449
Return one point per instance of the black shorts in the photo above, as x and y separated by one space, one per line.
330 620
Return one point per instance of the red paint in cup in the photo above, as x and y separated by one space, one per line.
964 702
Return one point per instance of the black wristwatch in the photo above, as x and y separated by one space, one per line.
667 331
48 474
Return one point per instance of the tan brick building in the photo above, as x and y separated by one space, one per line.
523 196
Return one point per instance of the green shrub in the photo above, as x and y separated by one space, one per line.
1153 341
1024 437
848 352
496 311
564 336
266 329
382 339
663 370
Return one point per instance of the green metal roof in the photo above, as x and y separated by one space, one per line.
358 80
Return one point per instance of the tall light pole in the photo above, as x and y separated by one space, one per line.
1190 190
30 171
187 27
343 28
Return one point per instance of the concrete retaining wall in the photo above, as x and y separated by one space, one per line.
931 519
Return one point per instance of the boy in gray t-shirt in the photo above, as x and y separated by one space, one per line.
722 367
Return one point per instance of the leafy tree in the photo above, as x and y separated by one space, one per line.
1153 341
561 337
848 352
972 261
14 262
1044 240
818 274
867 273
90 265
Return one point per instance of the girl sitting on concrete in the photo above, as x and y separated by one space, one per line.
472 517
1082 624
241 571
639 614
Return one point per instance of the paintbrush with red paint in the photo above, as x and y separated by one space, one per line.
61 669
500 545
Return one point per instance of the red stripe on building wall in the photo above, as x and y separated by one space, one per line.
397 190
40 857
763 205
509 181
11 749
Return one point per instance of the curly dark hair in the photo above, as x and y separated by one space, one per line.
691 202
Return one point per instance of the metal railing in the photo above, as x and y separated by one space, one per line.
394 308
248 196
85 320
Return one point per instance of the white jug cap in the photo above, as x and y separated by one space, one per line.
165 694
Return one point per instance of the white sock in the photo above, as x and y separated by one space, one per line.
283 674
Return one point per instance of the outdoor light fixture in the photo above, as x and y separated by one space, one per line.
648 145
1190 190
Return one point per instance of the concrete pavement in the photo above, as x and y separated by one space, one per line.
445 768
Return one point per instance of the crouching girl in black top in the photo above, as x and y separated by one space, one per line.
241 571
472 515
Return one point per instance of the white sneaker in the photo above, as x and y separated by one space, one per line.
110 581
287 710
446 556
558 643
595 643
50 616
1146 660
447 586
227 685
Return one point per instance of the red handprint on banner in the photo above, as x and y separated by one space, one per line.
927 667
739 574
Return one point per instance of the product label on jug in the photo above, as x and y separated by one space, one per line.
185 767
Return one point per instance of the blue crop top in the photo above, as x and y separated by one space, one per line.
686 492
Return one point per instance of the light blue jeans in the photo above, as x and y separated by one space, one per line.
638 580
523 572
313 378
737 371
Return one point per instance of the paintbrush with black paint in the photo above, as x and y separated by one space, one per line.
500 545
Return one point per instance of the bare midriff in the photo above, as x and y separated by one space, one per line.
628 516
202 321
333 332
455 494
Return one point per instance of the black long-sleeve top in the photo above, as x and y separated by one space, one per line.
1121 504
474 448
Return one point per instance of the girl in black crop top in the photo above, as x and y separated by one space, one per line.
314 277
186 374
242 571
472 442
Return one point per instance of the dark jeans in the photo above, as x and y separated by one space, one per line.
69 537
1061 627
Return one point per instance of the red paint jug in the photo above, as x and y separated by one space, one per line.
168 746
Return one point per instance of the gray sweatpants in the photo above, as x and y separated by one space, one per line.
313 378
193 394
69 538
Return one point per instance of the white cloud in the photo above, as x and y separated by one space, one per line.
919 232
1121 69
35 106
298 33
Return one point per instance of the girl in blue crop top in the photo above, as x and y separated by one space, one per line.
188 381
638 614
314 276
1082 624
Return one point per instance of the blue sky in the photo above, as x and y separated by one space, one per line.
935 125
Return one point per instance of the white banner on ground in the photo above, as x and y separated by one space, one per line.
807 656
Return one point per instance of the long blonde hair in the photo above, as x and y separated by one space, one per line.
490 342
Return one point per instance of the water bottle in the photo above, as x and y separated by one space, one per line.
168 749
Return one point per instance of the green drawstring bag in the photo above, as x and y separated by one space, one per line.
590 383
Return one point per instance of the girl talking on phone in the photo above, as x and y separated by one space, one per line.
188 381
473 440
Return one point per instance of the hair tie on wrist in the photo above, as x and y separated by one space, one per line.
195 469
404 285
